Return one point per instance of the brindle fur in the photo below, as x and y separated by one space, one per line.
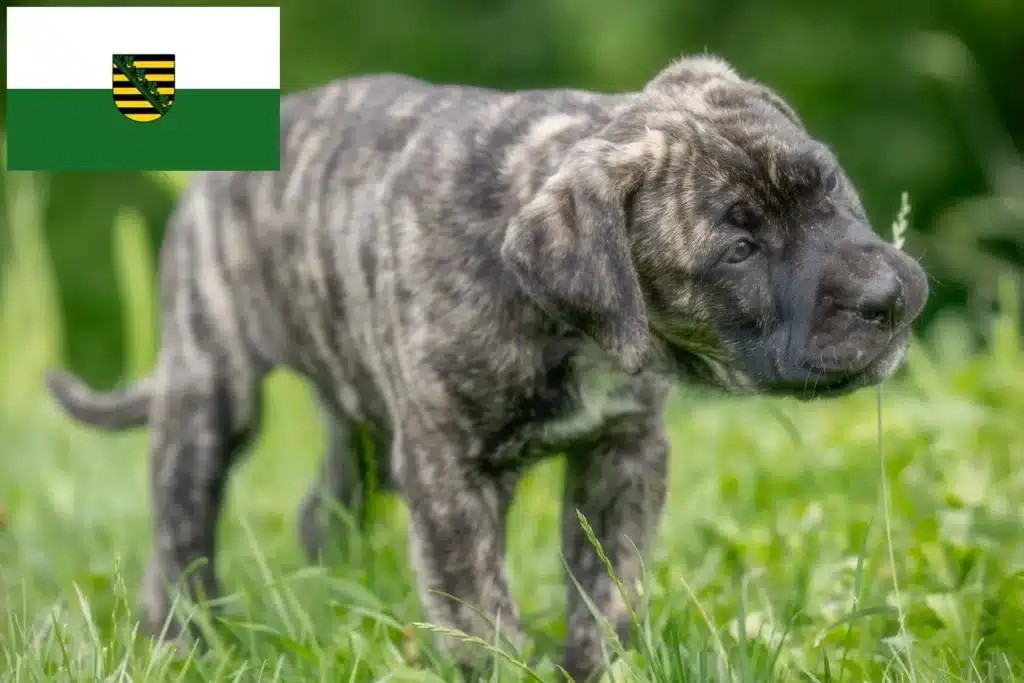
479 279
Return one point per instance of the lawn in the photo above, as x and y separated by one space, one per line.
875 537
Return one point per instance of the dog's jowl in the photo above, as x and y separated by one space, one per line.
476 279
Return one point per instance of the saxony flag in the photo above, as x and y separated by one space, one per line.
143 88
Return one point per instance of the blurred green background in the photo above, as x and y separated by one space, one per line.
925 96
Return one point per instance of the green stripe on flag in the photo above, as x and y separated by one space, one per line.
82 130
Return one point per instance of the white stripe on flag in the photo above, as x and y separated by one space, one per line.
214 47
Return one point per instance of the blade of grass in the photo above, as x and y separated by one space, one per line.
899 229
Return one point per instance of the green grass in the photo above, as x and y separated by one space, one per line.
778 558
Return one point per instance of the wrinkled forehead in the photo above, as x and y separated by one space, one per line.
771 166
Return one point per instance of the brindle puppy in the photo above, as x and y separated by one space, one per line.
481 278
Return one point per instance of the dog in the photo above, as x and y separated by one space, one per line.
476 279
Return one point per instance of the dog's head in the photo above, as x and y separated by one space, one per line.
705 230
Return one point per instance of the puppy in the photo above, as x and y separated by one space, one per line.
478 279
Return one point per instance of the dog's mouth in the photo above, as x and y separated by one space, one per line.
808 382
824 383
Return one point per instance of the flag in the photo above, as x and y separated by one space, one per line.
143 88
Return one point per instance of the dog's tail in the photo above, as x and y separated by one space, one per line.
118 409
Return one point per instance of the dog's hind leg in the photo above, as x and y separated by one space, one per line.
354 465
203 416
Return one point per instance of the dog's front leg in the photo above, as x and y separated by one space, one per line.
457 538
618 484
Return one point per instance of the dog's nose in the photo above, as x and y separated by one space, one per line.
881 300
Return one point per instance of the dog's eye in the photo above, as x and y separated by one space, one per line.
740 251
831 183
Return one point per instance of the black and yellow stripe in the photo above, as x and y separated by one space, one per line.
160 70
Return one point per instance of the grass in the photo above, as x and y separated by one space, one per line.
788 529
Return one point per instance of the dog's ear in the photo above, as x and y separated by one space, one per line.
570 250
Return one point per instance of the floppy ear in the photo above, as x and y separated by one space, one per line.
569 248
